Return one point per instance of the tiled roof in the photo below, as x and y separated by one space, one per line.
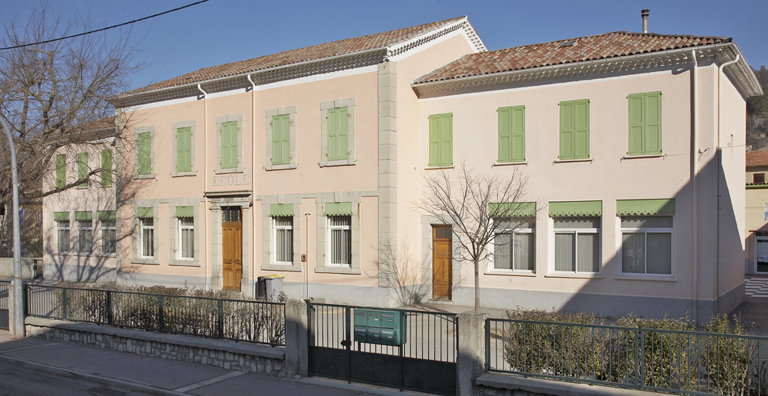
601 46
315 52
757 158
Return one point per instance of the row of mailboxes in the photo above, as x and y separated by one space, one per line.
380 327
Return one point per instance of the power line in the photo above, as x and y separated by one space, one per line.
105 28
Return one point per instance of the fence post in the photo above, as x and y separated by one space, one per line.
641 355
220 325
469 362
487 344
161 313
296 338
64 303
109 307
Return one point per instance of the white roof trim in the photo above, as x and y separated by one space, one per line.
462 24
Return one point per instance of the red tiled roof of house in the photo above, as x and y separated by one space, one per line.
315 52
601 46
757 158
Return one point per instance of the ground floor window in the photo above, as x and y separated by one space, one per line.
147 234
186 238
84 236
577 244
108 236
283 239
340 241
514 245
62 235
646 246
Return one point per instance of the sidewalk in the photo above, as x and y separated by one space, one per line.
156 376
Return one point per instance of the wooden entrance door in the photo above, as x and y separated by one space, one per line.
442 267
232 248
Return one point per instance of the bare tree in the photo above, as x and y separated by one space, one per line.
55 94
473 204
402 273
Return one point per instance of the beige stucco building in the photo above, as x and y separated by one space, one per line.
756 261
309 164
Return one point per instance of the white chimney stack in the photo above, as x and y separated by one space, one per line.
645 13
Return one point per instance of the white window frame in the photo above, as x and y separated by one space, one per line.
181 227
329 245
576 232
105 227
143 227
88 237
66 228
645 231
513 232
275 229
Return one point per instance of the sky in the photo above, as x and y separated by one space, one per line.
223 31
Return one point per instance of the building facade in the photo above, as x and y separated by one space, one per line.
756 259
310 164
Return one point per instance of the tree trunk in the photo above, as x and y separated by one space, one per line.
477 285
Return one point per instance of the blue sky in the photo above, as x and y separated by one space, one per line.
222 31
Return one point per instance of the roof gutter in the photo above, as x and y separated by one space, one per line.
681 51
249 73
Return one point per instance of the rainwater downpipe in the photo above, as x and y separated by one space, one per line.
719 163
253 172
205 187
694 199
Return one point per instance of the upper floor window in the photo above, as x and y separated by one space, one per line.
441 139
230 143
145 151
82 168
511 134
281 138
644 123
338 130
574 129
61 171
106 168
758 178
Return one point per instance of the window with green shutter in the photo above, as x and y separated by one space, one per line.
338 132
229 145
183 149
441 139
82 166
644 123
144 147
61 171
512 134
281 139
574 129
106 166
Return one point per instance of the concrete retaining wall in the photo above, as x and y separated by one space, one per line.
29 267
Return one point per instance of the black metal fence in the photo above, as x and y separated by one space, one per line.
4 301
240 320
684 362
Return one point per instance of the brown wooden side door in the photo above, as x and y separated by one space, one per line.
232 252
442 266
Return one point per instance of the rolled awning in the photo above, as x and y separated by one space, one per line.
512 209
338 209
281 210
575 208
144 213
645 207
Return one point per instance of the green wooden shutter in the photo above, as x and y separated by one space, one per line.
332 135
653 123
441 140
61 171
434 141
82 166
183 149
145 153
106 166
281 139
505 134
229 145
338 134
574 129
635 103
518 134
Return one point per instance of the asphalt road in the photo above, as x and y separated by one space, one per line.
21 381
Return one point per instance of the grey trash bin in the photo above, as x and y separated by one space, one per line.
273 286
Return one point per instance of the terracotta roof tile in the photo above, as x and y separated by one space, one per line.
579 49
757 158
315 52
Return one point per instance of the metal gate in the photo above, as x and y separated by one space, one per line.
415 351
4 320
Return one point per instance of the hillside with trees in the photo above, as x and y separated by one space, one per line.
757 115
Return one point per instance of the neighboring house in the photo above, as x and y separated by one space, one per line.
756 259
308 164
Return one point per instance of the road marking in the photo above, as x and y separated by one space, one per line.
209 381
28 347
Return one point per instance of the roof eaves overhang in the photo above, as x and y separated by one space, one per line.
742 75
463 23
259 77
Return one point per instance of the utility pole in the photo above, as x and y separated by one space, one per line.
17 308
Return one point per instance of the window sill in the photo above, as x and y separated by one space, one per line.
439 167
338 270
184 174
626 157
224 171
511 273
510 163
270 168
281 267
347 162
574 275
184 263
565 161
152 176
145 261
646 277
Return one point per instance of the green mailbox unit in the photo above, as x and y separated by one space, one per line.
376 326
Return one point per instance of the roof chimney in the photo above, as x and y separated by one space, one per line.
645 13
